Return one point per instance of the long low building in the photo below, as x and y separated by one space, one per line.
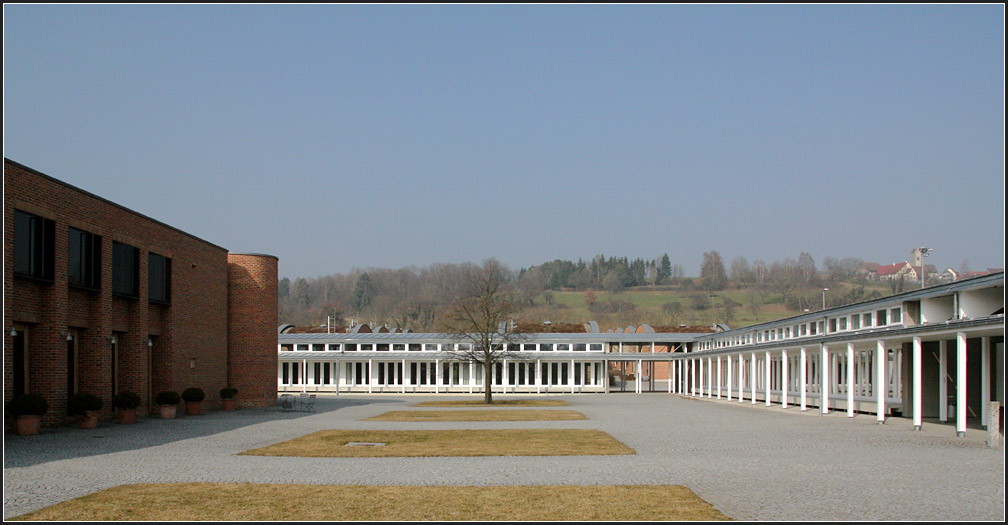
888 356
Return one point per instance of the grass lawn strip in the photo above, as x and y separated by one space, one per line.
497 403
431 443
263 502
479 415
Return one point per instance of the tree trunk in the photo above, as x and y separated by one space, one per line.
487 386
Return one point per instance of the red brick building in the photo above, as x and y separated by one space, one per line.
99 298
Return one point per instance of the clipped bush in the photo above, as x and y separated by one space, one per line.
228 392
126 399
28 405
83 402
168 397
193 394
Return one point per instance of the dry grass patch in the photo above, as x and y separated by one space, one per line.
427 443
479 415
501 402
256 502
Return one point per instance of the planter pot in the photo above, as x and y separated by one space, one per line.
229 404
192 408
28 425
167 411
89 420
127 416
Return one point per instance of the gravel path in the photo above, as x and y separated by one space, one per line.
751 462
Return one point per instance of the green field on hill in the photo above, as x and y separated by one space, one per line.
736 307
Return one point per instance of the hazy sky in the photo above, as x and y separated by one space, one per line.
337 137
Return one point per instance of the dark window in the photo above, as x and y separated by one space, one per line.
125 269
159 278
33 245
84 259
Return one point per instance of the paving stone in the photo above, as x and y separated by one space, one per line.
751 462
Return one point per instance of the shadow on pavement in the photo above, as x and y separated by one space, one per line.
69 442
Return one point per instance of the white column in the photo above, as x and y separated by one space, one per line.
850 379
766 376
785 378
803 376
729 374
961 383
881 385
710 376
752 375
670 362
719 377
570 376
701 376
741 376
304 376
640 379
943 381
539 376
402 378
984 379
692 376
918 386
370 375
824 376
472 378
336 372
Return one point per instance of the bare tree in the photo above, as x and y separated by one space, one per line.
478 321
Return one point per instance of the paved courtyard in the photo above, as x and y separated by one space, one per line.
752 463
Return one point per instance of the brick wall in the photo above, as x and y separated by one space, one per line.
190 334
252 327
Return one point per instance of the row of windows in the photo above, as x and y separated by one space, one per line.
35 249
430 347
874 319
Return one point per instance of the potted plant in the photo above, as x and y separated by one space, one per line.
28 409
227 395
126 403
193 398
85 405
167 402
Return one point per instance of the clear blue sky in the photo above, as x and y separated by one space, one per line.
337 137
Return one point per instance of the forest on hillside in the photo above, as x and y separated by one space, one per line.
615 291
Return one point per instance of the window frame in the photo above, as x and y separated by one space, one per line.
39 233
165 280
118 265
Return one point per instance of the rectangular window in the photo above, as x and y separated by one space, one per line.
34 245
84 259
159 278
880 318
895 316
125 269
855 322
866 320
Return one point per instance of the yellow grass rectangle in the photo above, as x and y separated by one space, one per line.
479 415
260 502
496 403
428 443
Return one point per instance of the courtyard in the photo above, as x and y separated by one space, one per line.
749 462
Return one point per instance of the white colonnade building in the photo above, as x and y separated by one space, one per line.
935 353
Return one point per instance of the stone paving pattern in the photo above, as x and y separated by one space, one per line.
750 462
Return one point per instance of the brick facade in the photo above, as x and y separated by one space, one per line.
186 342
